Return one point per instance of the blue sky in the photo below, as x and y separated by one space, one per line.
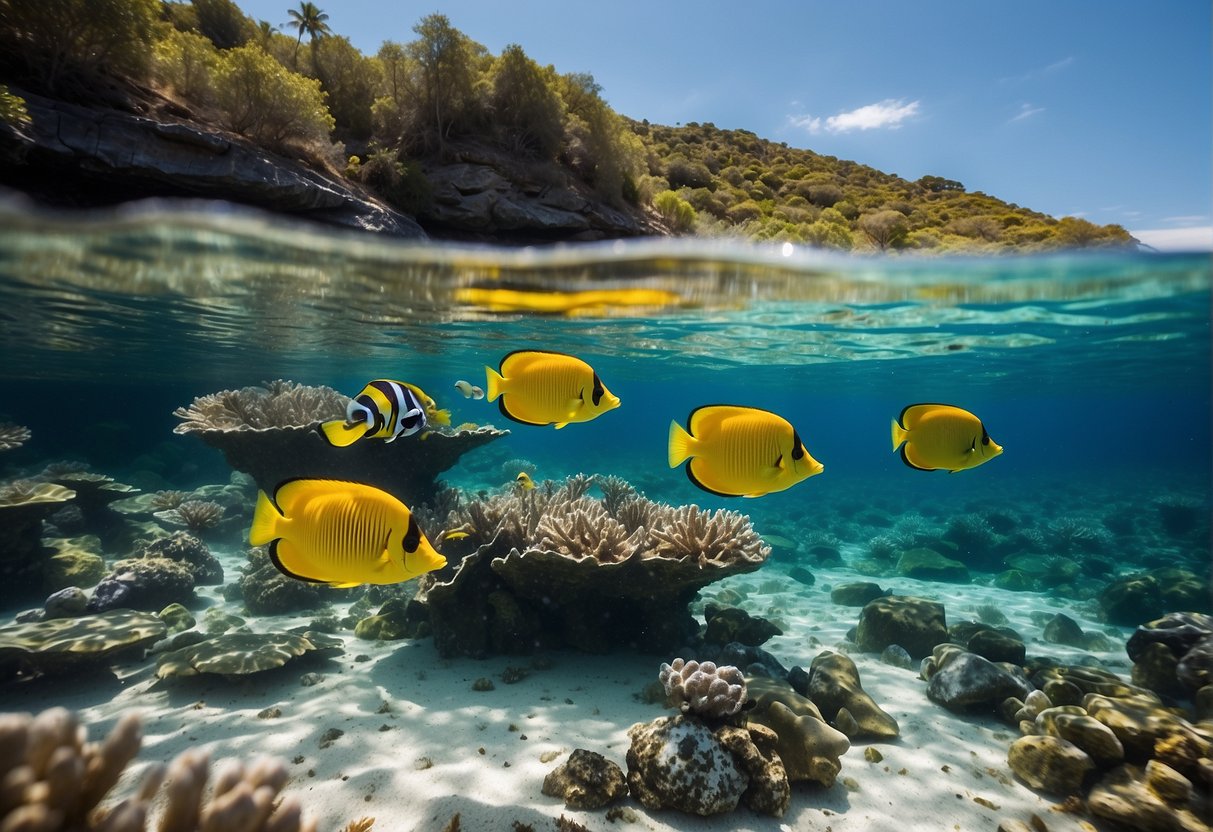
1091 109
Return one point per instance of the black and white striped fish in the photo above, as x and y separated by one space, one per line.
385 409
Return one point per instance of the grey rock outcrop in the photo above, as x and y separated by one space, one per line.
131 155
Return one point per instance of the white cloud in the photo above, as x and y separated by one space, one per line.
884 115
1199 238
1027 111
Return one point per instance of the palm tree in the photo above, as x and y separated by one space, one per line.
309 20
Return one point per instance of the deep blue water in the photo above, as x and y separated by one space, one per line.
1093 371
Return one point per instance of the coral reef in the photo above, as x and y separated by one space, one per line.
708 691
587 780
65 645
56 780
187 549
24 505
678 763
270 433
552 567
239 654
266 591
12 436
144 584
195 515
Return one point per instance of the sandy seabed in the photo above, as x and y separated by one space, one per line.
418 744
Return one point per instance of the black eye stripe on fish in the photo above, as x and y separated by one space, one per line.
413 537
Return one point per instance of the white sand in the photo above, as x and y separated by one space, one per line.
443 748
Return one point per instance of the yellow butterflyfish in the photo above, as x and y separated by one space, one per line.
548 388
934 437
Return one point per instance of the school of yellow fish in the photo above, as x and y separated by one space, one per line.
348 533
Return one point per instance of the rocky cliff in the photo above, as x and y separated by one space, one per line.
76 155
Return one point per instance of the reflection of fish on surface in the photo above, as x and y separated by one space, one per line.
524 480
469 390
585 302
545 388
385 409
933 436
341 533
737 451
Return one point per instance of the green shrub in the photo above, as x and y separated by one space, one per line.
400 184
744 211
259 98
527 113
677 212
186 62
58 42
12 108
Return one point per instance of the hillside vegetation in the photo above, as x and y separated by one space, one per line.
381 119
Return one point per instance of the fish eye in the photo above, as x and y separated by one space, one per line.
412 538
797 446
985 437
598 390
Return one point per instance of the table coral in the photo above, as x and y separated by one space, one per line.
239 654
67 644
578 575
270 433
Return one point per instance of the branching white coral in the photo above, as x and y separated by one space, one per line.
707 536
276 404
703 689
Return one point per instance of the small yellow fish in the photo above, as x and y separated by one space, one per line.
524 479
548 388
739 451
432 413
935 437
454 535
341 533
469 390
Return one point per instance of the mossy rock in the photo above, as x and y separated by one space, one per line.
77 562
1014 581
177 618
928 565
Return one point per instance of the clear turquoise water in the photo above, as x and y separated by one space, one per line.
1093 371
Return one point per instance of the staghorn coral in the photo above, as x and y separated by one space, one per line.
615 491
636 512
163 500
582 528
275 404
689 532
56 780
704 689
195 515
12 436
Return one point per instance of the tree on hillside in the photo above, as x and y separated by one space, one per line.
223 22
527 111
309 20
443 91
884 228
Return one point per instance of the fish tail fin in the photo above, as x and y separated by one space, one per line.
265 521
680 445
493 382
340 434
441 417
899 435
